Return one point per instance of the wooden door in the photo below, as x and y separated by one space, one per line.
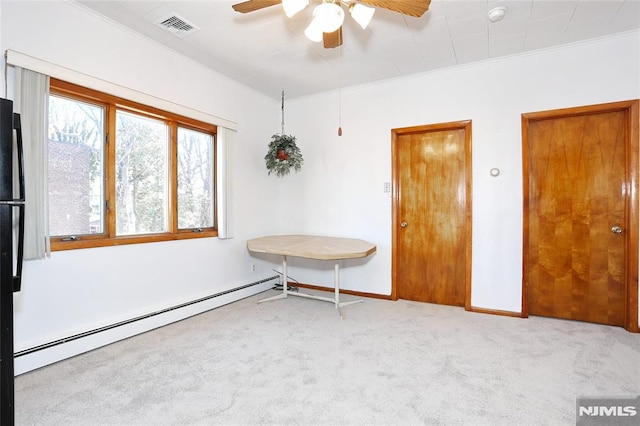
580 231
432 213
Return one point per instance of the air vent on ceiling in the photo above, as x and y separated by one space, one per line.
177 25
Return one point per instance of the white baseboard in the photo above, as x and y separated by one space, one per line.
29 360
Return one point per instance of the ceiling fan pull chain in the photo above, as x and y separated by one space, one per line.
282 112
340 92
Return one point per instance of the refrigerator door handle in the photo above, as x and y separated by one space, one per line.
17 278
17 125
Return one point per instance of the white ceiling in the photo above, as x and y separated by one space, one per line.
269 52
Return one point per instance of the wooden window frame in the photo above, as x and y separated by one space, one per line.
112 104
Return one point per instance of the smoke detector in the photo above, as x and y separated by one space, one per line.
496 14
177 25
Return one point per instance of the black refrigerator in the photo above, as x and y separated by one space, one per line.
11 246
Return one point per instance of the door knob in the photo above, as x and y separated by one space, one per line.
403 225
616 229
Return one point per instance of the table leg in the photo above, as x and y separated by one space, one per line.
336 285
285 284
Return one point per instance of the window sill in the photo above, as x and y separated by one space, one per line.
98 241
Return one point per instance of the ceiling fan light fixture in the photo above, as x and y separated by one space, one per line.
291 7
328 16
314 32
361 14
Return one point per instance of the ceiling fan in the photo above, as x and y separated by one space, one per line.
328 16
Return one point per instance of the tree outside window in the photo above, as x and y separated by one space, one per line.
195 179
141 174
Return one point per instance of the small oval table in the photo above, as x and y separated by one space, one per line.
312 247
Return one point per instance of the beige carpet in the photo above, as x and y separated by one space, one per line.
295 362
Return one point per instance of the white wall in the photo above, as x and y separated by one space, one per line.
340 188
78 290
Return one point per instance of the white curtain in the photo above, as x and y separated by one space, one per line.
31 100
223 168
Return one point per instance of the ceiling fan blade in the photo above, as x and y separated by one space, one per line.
253 5
333 39
415 8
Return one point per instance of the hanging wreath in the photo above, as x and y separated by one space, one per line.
283 154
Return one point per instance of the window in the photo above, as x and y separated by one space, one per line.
76 167
121 172
195 175
141 174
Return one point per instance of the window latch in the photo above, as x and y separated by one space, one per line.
198 230
71 238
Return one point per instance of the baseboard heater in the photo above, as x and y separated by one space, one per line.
138 318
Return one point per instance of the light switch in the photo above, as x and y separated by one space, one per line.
387 187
